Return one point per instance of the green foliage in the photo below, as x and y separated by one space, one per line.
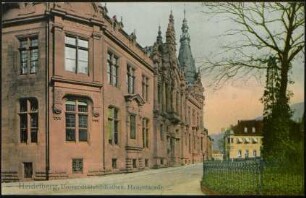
274 182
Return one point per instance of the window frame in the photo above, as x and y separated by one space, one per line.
78 48
28 132
76 113
112 66
26 50
145 87
145 132
131 78
133 126
78 162
114 120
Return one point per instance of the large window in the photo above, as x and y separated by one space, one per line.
145 87
28 114
112 69
133 126
28 49
130 79
76 120
76 55
145 132
113 125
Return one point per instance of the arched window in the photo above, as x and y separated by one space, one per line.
76 120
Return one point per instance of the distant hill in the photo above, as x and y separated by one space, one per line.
298 111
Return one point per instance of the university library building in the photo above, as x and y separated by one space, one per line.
80 97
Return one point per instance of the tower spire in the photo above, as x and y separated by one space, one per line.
185 57
170 34
159 38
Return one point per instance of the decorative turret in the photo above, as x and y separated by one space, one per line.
159 38
170 34
185 57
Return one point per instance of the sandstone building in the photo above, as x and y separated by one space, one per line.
80 97
244 140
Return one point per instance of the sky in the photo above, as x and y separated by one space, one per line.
232 102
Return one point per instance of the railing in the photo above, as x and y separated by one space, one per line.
250 177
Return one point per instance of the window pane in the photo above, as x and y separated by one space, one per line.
70 135
23 136
83 134
23 121
82 106
33 135
34 65
70 105
83 43
83 67
24 68
23 43
132 127
83 121
23 106
83 55
116 137
70 120
34 120
70 40
34 105
34 54
110 131
70 59
34 42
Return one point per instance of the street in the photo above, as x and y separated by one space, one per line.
184 180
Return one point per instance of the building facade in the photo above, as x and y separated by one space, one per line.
80 97
244 140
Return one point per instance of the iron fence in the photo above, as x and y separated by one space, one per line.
250 177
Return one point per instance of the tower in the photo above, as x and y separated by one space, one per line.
185 57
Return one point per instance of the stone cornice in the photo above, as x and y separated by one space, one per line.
64 80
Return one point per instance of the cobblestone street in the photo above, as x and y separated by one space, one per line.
183 180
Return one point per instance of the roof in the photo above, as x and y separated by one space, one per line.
248 127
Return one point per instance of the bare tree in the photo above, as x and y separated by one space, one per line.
264 30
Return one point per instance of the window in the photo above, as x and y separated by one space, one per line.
134 163
246 153
28 50
159 94
112 69
253 129
201 143
28 169
145 87
113 125
130 79
161 132
146 162
28 114
76 120
161 161
77 165
254 153
245 129
132 126
114 163
239 153
76 55
228 140
145 132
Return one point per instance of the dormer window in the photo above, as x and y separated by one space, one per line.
253 129
245 129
